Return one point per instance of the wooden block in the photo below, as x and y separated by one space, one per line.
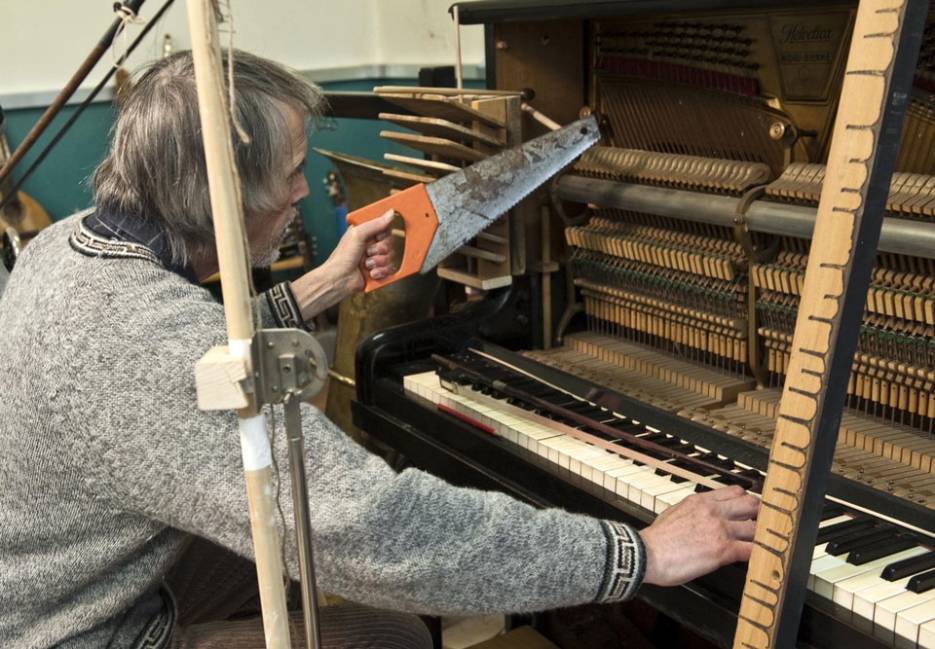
219 380
524 637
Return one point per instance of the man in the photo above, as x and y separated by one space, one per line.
113 480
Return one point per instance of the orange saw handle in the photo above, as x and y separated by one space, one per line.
415 208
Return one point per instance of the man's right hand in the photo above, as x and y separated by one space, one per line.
700 534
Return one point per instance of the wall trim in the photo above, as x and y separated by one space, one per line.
44 98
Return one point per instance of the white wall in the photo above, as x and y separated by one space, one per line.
43 42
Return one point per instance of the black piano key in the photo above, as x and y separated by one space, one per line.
859 539
831 532
607 437
713 458
740 477
680 463
880 549
922 583
830 510
583 408
907 567
625 426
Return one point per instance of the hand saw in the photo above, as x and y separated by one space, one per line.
441 216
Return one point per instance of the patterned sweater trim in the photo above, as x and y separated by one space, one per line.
285 309
89 243
158 631
626 563
281 300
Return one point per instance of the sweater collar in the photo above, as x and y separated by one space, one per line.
121 226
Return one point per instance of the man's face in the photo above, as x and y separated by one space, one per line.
265 234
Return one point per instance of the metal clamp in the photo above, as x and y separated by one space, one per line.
287 361
290 366
743 235
10 247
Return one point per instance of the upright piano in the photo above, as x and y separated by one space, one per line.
666 327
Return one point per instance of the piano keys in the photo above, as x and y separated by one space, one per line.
854 549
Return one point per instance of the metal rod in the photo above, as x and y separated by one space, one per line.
303 527
67 91
898 236
454 11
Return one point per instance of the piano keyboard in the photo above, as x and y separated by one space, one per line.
854 550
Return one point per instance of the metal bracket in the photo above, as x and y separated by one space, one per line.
10 247
755 253
287 361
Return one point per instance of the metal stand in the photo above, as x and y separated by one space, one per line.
290 366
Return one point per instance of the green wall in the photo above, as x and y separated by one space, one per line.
61 183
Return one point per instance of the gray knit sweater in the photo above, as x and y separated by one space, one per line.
107 466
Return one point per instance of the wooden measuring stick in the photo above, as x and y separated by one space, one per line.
884 47
233 262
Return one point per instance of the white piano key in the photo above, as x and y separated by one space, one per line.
560 449
927 635
825 582
820 564
909 622
581 461
652 491
865 600
641 476
605 463
644 483
886 611
617 480
666 500
844 590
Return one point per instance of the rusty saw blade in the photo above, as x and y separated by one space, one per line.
443 215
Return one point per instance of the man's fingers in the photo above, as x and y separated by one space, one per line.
741 508
733 491
370 229
739 551
733 503
378 261
383 248
741 530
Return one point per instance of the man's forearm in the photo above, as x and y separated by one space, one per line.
318 290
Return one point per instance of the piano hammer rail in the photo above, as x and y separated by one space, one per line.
898 236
